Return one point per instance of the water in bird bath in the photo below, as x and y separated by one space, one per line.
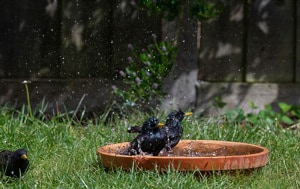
193 149
189 155
193 152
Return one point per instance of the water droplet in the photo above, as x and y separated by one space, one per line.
26 82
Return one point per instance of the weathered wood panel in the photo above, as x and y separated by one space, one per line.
60 95
180 82
270 41
221 51
30 38
131 25
297 41
86 35
6 37
238 95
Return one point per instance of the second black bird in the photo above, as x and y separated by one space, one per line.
151 140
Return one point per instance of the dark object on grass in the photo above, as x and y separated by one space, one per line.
14 164
173 128
151 140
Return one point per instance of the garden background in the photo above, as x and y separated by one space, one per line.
72 55
75 49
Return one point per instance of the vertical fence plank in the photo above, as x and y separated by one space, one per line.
29 31
6 37
86 34
270 41
297 41
222 45
180 82
131 26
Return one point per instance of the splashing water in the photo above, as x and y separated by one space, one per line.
190 151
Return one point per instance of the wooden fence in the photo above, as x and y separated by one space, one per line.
70 39
250 41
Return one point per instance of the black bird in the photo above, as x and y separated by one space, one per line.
151 140
134 129
148 125
14 164
173 128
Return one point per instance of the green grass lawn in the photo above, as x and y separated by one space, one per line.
62 154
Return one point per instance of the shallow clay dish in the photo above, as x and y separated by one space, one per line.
188 155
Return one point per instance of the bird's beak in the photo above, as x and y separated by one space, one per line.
24 156
161 125
188 113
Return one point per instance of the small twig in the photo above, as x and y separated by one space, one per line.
294 127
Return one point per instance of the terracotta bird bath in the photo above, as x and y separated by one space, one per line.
189 155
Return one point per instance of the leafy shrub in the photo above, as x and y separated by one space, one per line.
170 9
143 77
286 116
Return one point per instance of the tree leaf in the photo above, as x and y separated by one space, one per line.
287 120
284 107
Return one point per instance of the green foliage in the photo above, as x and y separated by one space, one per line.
170 9
203 10
237 115
286 116
219 103
143 77
289 113
284 107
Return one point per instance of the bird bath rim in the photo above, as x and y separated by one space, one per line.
242 156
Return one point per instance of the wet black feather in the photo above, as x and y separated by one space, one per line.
151 140
173 128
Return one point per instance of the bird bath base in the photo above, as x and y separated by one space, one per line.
188 155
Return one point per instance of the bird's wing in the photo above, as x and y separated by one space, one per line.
134 129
